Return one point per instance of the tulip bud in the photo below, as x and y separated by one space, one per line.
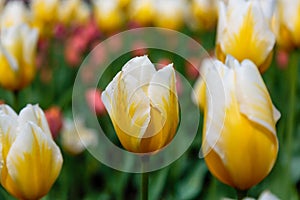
108 15
17 56
205 13
75 139
44 15
141 12
239 136
244 31
143 106
288 22
31 161
169 13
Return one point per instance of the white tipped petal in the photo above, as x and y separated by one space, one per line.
140 68
107 95
8 111
253 97
217 98
35 114
30 38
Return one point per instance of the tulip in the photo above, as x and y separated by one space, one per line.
244 31
73 11
143 106
288 33
14 13
93 99
169 13
239 136
17 56
76 138
108 15
205 13
44 14
31 161
54 119
142 12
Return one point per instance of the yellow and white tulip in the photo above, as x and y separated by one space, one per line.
17 56
143 106
239 136
288 22
244 31
73 11
108 15
204 13
14 13
170 13
142 12
30 159
76 138
44 15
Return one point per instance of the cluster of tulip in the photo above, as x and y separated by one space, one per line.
239 138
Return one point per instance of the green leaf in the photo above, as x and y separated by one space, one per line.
192 184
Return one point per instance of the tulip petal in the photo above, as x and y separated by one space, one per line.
36 115
246 32
219 96
253 97
141 69
30 38
10 46
8 111
34 162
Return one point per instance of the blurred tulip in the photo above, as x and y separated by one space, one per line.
31 161
282 58
288 32
76 138
108 15
241 150
143 106
169 13
94 101
54 118
141 12
205 13
244 32
139 48
17 56
45 15
14 13
73 12
191 67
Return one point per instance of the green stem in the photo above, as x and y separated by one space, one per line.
145 179
16 100
241 194
292 77
145 185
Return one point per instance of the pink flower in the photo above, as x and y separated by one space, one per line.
93 98
55 120
191 68
282 59
139 48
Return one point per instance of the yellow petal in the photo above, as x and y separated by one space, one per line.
245 32
34 162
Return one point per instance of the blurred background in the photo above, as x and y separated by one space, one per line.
68 31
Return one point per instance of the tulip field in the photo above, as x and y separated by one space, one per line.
149 99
